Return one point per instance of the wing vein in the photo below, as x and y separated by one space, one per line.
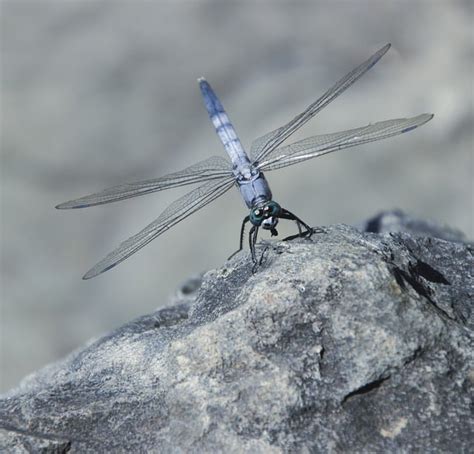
176 212
262 146
319 145
213 168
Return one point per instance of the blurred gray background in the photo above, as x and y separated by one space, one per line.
100 93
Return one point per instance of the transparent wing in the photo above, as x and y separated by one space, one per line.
215 167
176 212
319 145
265 144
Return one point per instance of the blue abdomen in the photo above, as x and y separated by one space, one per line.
222 125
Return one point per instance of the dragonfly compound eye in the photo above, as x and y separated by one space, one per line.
256 216
274 208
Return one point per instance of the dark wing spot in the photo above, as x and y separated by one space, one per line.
411 128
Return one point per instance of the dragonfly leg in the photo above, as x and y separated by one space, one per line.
300 230
285 214
252 241
242 231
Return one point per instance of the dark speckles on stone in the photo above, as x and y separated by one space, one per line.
298 346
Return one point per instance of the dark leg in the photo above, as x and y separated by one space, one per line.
242 230
285 214
252 241
300 230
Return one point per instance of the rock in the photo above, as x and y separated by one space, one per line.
397 221
346 342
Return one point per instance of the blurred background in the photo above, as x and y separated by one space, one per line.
95 93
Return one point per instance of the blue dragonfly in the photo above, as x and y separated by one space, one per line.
217 175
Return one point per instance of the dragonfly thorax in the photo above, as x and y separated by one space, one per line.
243 171
265 215
255 191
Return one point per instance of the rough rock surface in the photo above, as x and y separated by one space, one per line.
348 342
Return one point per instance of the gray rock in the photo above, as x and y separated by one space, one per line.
397 221
348 342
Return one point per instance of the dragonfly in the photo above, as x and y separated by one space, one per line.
217 175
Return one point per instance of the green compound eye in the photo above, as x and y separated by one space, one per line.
274 208
256 216
271 209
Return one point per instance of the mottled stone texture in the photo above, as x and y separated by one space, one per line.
348 342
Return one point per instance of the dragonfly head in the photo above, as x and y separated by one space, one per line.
265 215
